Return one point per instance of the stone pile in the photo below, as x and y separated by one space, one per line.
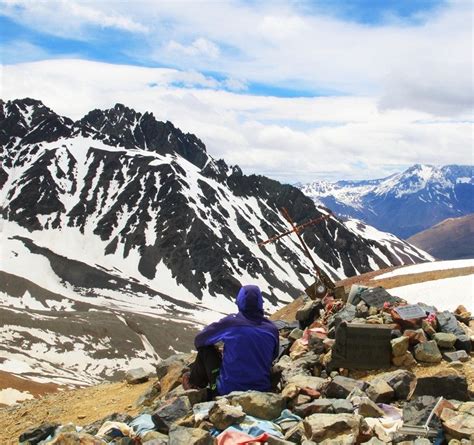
316 399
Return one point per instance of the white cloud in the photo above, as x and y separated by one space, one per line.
69 18
198 48
289 139
425 66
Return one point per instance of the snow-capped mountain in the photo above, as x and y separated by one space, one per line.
119 224
403 203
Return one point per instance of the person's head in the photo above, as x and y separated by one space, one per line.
250 301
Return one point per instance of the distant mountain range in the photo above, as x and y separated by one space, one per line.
452 238
404 203
118 228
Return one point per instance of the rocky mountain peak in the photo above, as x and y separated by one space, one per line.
30 120
142 130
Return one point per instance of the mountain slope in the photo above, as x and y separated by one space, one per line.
451 239
159 203
404 203
120 217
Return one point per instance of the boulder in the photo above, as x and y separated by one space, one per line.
316 344
332 428
380 391
222 414
137 375
264 405
456 356
463 343
164 366
402 382
374 441
94 427
190 436
155 436
415 336
448 323
316 406
428 352
417 411
444 340
74 439
460 426
166 414
399 346
340 387
447 385
307 312
303 381
296 334
367 408
342 406
38 433
404 360
428 329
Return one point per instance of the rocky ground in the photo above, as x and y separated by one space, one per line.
322 392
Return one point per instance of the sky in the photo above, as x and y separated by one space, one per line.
295 90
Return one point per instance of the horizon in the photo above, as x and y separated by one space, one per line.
358 91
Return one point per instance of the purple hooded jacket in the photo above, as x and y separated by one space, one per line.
251 344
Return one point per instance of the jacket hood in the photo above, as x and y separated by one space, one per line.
250 301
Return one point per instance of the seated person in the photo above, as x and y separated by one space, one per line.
251 343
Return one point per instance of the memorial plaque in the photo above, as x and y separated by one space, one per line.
410 312
362 346
377 296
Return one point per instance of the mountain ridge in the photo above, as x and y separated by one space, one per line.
403 203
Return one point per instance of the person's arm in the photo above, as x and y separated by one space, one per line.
212 334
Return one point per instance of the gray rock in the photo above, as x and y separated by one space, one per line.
464 343
92 428
74 438
374 441
38 433
154 438
340 387
163 367
417 411
180 435
399 346
380 392
137 375
422 441
264 405
444 340
448 323
302 366
321 427
449 386
341 406
166 414
402 382
367 408
316 406
302 381
308 310
222 414
295 334
316 345
456 356
428 352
